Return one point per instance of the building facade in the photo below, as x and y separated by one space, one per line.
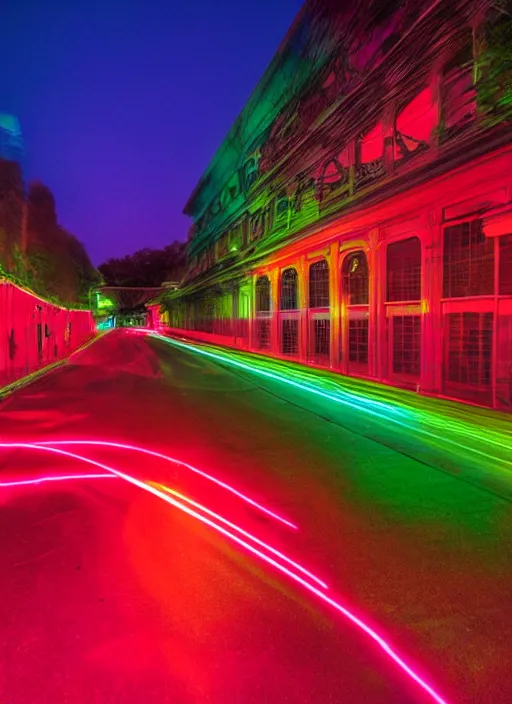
358 215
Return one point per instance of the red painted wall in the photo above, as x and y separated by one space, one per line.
35 333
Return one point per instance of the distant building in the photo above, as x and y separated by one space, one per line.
12 146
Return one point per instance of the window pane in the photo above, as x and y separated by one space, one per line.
321 340
470 348
404 270
468 261
358 341
289 282
290 337
506 265
407 344
319 285
356 279
262 295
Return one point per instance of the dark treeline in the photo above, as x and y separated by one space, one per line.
147 267
34 249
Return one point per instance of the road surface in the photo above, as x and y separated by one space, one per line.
109 594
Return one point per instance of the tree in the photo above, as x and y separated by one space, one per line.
58 265
11 214
146 267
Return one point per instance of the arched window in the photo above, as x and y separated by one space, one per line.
263 301
319 285
356 278
289 286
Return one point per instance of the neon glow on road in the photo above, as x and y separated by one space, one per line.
113 473
233 526
361 625
179 463
400 416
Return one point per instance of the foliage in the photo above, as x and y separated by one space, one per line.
495 70
35 252
11 210
147 267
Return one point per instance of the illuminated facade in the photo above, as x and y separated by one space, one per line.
358 215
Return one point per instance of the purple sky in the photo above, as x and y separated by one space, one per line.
122 109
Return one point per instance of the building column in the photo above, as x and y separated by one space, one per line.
431 294
335 304
274 321
303 296
376 321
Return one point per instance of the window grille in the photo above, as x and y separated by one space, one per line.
469 348
263 299
406 344
356 278
319 285
468 261
290 336
505 273
358 341
289 286
263 333
321 329
404 270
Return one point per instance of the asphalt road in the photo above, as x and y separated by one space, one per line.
109 594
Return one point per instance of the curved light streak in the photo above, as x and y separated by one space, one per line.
233 526
180 463
361 625
55 478
114 473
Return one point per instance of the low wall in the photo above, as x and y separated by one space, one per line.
35 333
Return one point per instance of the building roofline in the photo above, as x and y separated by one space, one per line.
259 88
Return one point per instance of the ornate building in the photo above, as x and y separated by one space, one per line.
358 215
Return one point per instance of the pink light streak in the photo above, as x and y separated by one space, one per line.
361 625
55 478
146 485
172 460
233 526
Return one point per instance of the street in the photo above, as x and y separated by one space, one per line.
109 594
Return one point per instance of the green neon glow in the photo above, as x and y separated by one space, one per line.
104 303
437 427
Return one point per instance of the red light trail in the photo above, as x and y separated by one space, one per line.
54 478
180 463
360 624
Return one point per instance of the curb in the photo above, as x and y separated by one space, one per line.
9 389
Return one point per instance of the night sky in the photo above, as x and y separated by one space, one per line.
122 104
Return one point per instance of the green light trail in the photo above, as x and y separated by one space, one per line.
429 423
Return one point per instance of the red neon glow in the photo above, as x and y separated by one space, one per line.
370 632
153 453
233 526
55 478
